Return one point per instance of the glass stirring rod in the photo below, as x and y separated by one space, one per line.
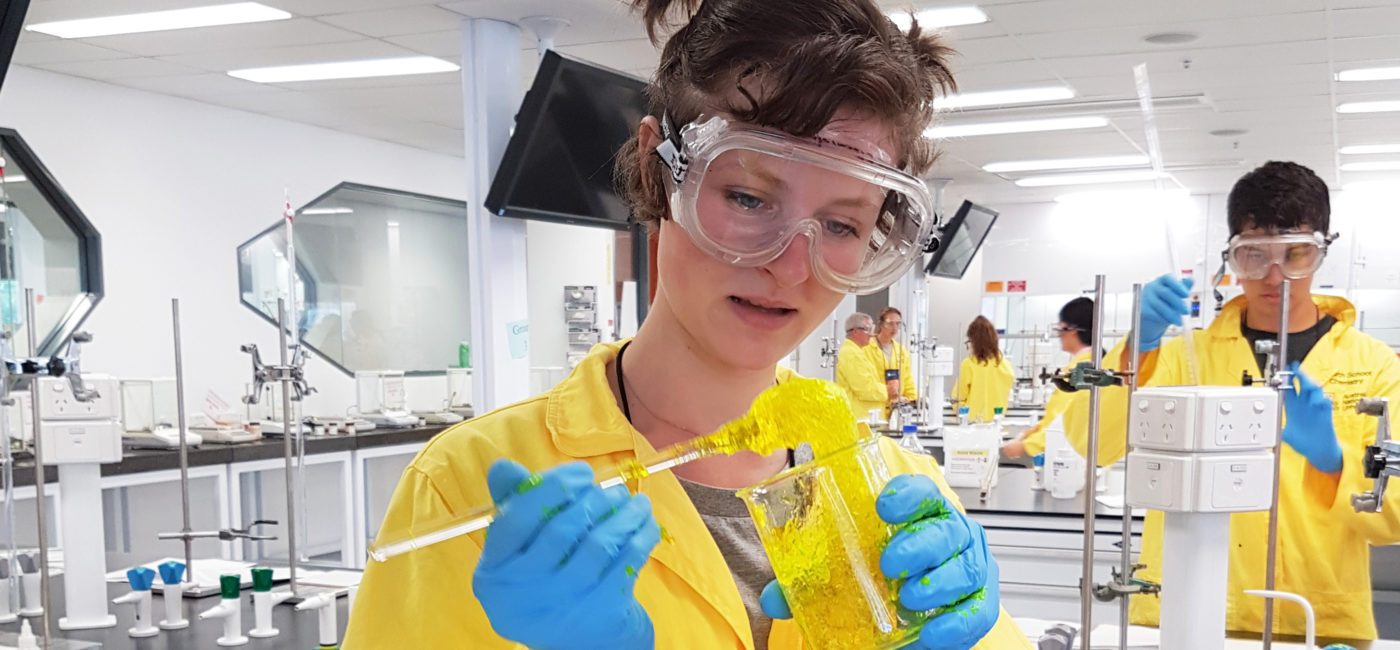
476 519
782 417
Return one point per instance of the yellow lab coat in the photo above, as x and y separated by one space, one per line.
424 600
1075 409
897 360
984 387
863 380
1324 549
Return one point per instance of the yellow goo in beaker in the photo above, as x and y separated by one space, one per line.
793 412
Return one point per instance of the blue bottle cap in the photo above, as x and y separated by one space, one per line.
171 573
911 428
1039 460
141 578
964 410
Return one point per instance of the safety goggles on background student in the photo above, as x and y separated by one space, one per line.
1298 254
744 194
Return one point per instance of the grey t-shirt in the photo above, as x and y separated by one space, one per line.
728 520
730 524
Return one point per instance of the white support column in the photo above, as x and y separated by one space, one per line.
496 245
1195 568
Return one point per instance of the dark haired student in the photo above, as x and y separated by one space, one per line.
778 172
1278 217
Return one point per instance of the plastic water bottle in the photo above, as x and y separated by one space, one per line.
998 415
963 415
909 439
1038 483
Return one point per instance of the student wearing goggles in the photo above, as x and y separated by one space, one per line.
1297 255
1277 215
745 194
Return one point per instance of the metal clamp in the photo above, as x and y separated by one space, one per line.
1085 376
1124 586
293 373
226 535
1382 459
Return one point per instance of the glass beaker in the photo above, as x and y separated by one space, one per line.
823 537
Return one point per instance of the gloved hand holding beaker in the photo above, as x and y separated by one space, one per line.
943 560
561 558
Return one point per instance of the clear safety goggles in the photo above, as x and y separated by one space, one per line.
1297 255
744 194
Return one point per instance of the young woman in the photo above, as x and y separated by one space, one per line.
985 377
770 175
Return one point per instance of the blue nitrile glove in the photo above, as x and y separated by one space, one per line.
943 560
1308 425
561 559
1164 302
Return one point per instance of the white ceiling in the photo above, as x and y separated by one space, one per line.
1261 65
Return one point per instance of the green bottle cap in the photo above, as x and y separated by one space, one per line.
229 585
262 579
998 410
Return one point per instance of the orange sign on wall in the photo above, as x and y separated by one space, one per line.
995 287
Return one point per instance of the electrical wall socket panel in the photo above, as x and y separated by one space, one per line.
1211 419
1219 482
57 402
81 441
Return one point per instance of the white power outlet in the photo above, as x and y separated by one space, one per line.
57 402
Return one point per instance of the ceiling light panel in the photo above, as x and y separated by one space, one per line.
1004 97
940 17
1066 163
1369 107
1369 74
1372 166
1087 179
1016 126
392 67
160 21
1363 149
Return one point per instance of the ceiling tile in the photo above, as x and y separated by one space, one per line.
29 52
1372 21
445 44
223 61
591 21
396 22
117 68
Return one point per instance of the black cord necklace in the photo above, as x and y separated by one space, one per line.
627 409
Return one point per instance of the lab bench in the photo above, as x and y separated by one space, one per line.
1038 542
296 629
349 480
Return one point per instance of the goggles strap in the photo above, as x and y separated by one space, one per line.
670 151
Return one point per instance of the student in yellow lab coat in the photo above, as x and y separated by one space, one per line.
985 377
1278 216
1074 329
893 359
780 175
855 368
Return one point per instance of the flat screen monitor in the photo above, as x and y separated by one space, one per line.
11 22
558 165
961 238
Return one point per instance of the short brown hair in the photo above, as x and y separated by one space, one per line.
1279 196
805 58
983 335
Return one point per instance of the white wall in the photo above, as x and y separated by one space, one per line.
560 255
174 186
